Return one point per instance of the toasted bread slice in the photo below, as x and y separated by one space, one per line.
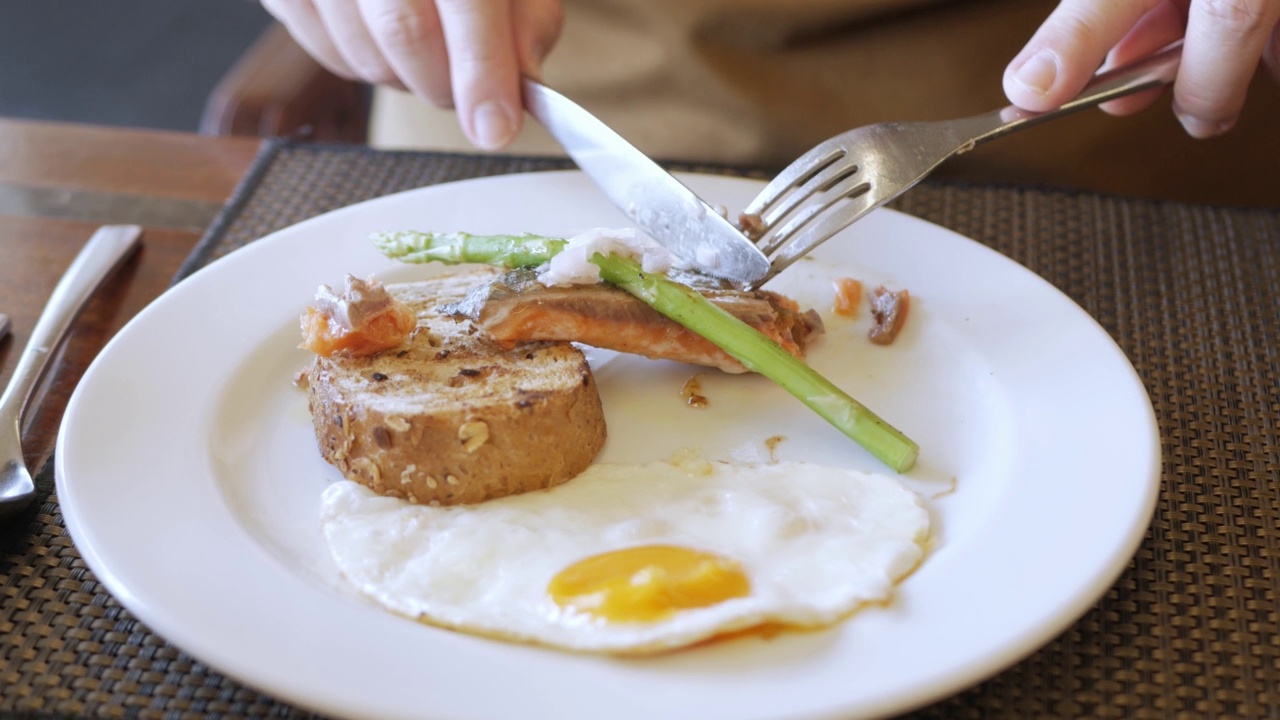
450 417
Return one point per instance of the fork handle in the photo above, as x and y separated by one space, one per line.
1150 72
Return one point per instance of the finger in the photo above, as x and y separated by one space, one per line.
1162 25
352 39
1225 41
537 25
1064 53
483 69
303 22
1272 56
408 33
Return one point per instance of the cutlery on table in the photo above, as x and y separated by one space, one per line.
105 251
844 178
654 200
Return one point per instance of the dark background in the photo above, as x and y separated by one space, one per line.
137 63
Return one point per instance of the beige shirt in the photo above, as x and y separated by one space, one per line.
760 81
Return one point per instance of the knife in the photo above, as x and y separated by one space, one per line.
654 200
109 247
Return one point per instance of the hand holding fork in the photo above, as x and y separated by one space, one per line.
844 178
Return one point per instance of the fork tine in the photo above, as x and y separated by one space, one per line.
815 188
846 188
794 175
770 243
820 226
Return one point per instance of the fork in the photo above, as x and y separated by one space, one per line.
104 252
844 178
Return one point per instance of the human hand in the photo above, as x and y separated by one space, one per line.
465 54
1224 42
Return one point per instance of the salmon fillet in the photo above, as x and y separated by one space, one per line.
515 308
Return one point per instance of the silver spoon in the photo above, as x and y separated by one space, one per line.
104 252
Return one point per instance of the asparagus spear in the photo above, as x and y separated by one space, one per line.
508 251
684 305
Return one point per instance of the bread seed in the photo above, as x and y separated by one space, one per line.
397 423
368 468
431 483
381 437
473 434
451 480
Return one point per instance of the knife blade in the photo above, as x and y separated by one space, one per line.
656 202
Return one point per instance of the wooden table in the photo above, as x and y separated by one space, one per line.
58 183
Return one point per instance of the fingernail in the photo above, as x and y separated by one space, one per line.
1038 73
492 125
1201 128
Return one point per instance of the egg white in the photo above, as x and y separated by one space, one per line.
816 542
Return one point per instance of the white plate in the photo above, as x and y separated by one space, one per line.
190 480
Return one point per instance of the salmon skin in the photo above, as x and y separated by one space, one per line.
515 308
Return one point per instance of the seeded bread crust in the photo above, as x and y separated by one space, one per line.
450 418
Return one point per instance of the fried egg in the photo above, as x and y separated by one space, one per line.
631 559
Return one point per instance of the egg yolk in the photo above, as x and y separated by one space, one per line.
647 583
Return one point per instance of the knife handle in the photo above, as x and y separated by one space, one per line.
102 254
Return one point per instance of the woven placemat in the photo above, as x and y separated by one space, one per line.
1191 629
